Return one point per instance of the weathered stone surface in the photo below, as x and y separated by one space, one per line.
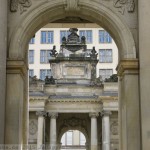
3 51
124 31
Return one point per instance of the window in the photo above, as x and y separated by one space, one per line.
105 73
44 56
67 138
32 41
87 34
44 73
82 139
104 37
64 33
47 37
31 72
31 56
105 55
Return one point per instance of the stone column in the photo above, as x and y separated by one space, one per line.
40 129
106 130
144 53
94 138
53 133
129 105
3 51
16 130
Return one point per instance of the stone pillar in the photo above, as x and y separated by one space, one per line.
106 130
144 53
129 105
16 103
94 138
3 51
40 129
53 132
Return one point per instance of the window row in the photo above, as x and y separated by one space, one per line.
105 56
104 73
47 37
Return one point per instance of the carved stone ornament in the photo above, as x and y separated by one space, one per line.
106 113
122 5
94 115
41 113
22 4
72 5
112 78
114 128
53 115
32 127
53 52
50 80
74 122
34 80
73 42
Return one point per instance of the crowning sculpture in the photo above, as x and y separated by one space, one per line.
74 62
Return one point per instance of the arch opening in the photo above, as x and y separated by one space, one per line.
73 139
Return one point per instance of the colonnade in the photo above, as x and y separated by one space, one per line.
94 131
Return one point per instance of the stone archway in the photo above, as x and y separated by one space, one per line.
82 130
17 102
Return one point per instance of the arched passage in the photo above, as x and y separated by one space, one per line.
17 102
80 129
74 139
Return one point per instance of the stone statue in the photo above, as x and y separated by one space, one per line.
83 40
93 53
50 80
54 52
113 78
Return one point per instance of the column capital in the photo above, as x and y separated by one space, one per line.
53 115
128 66
16 66
94 114
106 113
41 113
